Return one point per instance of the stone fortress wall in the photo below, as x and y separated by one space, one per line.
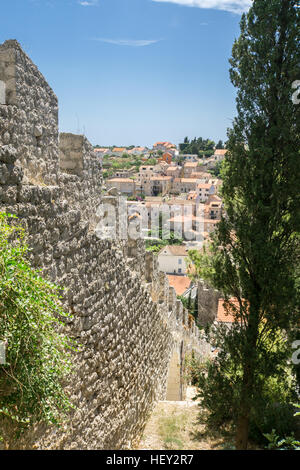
134 332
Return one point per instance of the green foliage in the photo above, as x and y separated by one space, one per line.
191 305
160 240
271 416
255 249
277 443
217 170
37 354
151 161
298 413
220 145
107 173
155 245
194 367
220 386
198 146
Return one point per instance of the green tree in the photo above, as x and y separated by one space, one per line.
217 170
37 354
255 249
198 146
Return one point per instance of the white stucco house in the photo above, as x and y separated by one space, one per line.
171 259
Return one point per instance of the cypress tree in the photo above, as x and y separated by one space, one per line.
256 245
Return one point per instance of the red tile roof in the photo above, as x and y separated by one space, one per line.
224 315
120 180
191 165
221 151
176 250
173 168
180 283
188 180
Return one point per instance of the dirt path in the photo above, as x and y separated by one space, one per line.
174 425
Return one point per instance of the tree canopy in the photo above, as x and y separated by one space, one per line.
255 248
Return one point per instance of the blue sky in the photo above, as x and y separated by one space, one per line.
132 72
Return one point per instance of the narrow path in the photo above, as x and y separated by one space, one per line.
174 425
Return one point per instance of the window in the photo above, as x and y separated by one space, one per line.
179 270
180 261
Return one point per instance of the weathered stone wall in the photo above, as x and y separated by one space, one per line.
30 121
80 175
126 317
208 299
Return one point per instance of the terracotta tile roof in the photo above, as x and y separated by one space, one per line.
176 250
213 198
118 180
165 144
222 315
191 165
180 283
188 180
221 151
119 149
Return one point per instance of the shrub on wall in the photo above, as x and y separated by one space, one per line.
37 354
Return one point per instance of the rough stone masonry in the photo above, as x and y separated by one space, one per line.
134 332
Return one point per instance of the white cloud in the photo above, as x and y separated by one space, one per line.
88 3
233 6
128 42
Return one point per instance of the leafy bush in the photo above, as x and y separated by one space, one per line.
37 354
194 367
218 395
298 412
219 388
276 443
273 416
